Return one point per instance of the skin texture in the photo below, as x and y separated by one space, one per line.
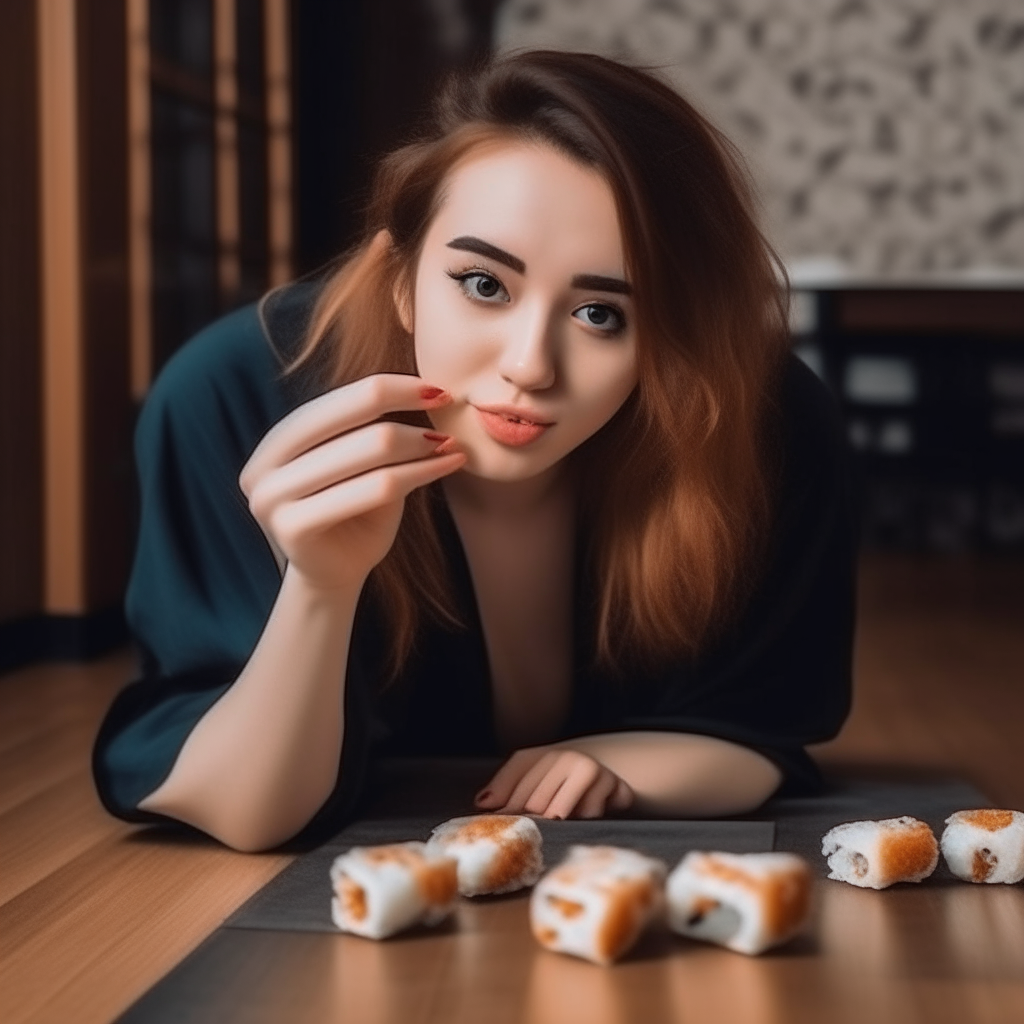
327 486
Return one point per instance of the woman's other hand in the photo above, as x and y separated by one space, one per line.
328 483
554 782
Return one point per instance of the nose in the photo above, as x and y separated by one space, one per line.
527 359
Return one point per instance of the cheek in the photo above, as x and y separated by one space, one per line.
442 338
601 386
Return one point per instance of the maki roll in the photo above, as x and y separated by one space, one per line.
381 890
497 853
747 902
985 845
596 903
877 854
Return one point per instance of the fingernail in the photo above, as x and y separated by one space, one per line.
433 435
432 394
448 447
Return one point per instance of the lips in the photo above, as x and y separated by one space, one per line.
511 426
515 414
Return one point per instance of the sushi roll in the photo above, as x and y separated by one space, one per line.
596 903
747 902
497 853
985 845
877 854
381 890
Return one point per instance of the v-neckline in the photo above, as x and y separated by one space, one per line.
469 605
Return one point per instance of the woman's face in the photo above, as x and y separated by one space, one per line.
521 309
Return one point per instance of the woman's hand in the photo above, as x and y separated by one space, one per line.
554 782
328 483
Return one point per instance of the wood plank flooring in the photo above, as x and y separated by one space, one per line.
93 911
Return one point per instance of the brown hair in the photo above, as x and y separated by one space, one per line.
677 539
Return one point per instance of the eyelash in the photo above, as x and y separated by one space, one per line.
464 276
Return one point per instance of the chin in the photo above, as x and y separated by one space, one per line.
502 466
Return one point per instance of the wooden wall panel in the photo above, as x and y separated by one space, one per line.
21 496
103 161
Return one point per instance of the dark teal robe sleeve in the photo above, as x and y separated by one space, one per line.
204 578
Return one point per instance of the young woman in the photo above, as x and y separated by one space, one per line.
529 473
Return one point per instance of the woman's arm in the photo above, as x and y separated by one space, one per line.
655 774
265 757
676 775
327 485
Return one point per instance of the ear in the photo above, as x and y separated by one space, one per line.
402 294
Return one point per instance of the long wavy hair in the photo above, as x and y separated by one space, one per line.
676 491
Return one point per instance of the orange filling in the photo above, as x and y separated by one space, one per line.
989 820
906 851
628 902
983 864
567 908
353 898
437 882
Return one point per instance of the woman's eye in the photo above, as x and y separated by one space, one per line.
483 287
600 317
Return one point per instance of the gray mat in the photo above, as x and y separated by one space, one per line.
299 898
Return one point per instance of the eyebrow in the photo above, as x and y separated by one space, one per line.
592 282
467 243
597 283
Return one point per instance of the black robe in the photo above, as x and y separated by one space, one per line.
204 581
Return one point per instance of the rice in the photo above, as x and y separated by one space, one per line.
381 890
597 902
985 845
747 902
497 853
877 854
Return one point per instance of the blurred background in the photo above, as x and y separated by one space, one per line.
164 161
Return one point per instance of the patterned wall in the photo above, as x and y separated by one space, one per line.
888 134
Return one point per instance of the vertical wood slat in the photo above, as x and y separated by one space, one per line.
102 80
21 483
64 503
140 267
225 78
279 156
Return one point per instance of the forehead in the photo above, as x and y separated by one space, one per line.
535 202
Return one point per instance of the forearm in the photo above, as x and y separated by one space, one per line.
264 758
681 775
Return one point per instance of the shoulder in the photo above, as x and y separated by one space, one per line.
813 452
228 383
228 359
810 412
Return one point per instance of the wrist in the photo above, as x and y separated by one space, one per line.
340 594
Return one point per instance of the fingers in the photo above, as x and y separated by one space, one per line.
497 792
354 453
529 783
591 803
335 413
557 794
355 497
555 784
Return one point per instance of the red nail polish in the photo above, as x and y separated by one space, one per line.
432 435
430 393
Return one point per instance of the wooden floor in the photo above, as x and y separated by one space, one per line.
93 912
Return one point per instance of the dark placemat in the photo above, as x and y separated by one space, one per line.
299 898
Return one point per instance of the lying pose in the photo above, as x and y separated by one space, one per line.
530 472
